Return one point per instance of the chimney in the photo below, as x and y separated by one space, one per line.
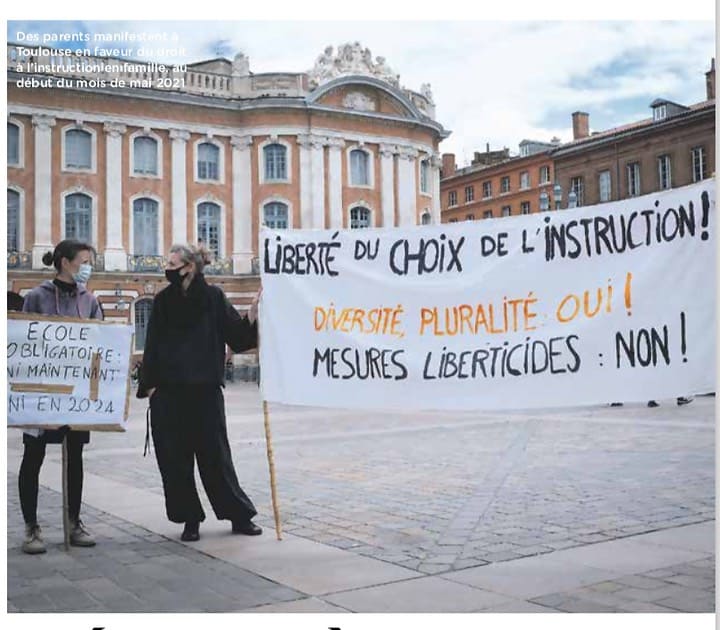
448 164
710 80
581 125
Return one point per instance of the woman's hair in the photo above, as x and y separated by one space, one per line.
193 254
69 248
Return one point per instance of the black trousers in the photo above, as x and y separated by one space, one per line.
188 423
28 480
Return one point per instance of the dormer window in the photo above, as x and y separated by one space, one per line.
660 112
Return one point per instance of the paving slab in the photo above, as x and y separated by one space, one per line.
527 578
429 594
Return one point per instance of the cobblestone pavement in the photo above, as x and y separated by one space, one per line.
431 492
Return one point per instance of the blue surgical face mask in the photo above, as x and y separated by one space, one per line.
83 274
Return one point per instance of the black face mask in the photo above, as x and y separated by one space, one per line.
173 276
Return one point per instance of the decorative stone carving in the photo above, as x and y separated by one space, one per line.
41 121
388 150
114 130
241 142
180 135
427 93
350 59
241 65
359 101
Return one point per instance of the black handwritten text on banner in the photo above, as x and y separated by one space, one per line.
606 303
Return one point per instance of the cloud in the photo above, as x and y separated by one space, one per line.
492 81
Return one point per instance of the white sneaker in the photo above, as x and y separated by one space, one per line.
80 537
33 542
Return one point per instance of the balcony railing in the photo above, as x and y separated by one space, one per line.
219 267
150 264
19 260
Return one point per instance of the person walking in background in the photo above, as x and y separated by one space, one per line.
183 371
66 295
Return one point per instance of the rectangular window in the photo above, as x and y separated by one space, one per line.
633 178
470 217
452 198
487 190
525 207
469 193
424 176
699 167
488 214
505 184
13 144
605 186
544 174
524 180
577 185
664 173
506 211
78 149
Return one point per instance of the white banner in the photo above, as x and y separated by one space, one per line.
64 371
608 303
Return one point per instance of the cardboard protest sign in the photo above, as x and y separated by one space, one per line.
614 302
66 371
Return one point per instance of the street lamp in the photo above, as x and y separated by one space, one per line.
572 199
544 202
557 195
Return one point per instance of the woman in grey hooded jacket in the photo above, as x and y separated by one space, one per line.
66 296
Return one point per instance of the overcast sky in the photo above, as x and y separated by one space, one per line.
495 82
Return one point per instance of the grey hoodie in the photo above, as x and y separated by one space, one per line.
47 299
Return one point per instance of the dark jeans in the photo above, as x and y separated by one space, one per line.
30 471
188 423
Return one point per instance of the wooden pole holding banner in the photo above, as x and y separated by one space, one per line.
271 464
268 443
65 503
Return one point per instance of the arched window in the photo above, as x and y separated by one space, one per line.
145 227
78 149
275 158
78 217
13 144
424 176
145 156
426 218
208 227
359 218
208 161
13 221
359 168
275 215
143 308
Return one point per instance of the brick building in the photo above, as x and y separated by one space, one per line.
674 147
133 157
495 184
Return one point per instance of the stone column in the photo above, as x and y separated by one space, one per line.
43 188
387 190
178 212
407 186
306 201
242 243
115 254
435 164
335 182
317 163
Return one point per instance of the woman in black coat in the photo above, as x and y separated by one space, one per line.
183 371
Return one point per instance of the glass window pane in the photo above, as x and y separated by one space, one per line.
78 217
145 227
78 149
275 215
275 161
13 221
145 158
13 146
143 308
359 174
208 226
208 161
